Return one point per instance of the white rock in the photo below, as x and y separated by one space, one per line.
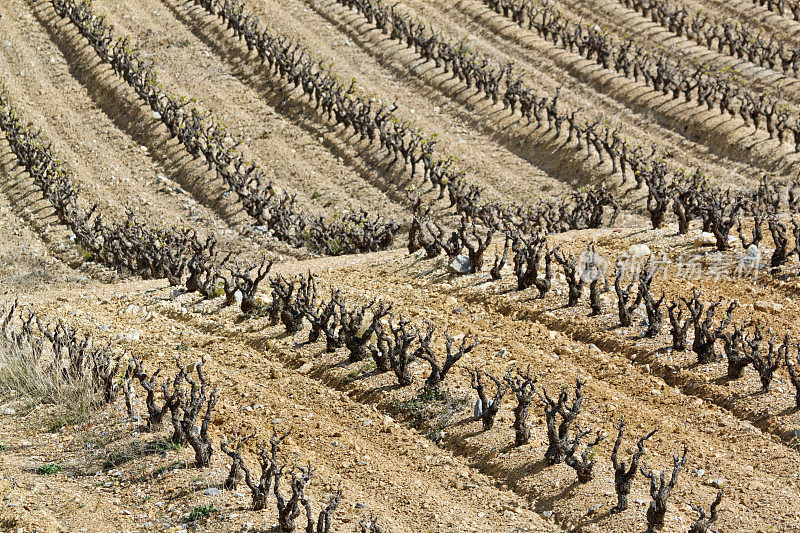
477 411
768 307
751 257
705 239
638 250
459 265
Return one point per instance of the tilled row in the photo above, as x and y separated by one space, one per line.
729 37
675 79
690 196
347 106
467 438
144 249
201 135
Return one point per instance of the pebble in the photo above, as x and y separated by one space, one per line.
768 307
450 301
547 514
459 265
477 411
459 310
305 369
717 483
212 492
131 336
751 257
706 238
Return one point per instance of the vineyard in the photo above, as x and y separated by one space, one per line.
372 266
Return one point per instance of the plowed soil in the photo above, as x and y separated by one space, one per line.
417 464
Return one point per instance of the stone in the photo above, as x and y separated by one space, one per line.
547 514
477 411
751 257
591 266
131 309
563 350
305 369
212 491
706 238
637 251
360 505
458 310
768 307
450 301
717 483
459 265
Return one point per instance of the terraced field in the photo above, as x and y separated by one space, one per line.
419 266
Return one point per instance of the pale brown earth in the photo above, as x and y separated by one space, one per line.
351 424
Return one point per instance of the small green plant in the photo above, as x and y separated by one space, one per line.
163 444
354 374
56 422
315 195
50 469
202 511
87 255
172 466
219 289
114 460
432 409
3 447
